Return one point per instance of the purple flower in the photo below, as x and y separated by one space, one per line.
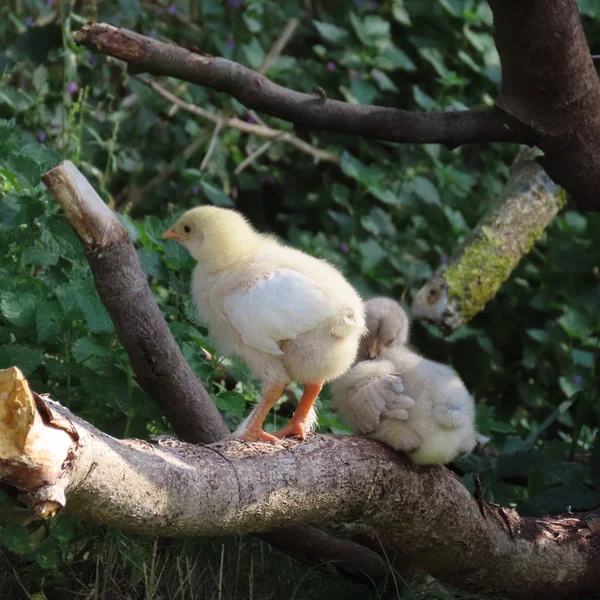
172 10
234 3
251 120
41 136
152 34
49 2
450 108
577 379
345 248
93 60
331 66
196 190
230 45
443 258
29 22
72 87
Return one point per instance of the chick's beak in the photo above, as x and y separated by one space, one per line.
172 234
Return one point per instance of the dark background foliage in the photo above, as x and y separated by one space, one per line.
386 214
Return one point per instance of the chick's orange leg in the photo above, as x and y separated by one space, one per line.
251 429
297 424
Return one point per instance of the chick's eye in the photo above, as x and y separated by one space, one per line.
187 228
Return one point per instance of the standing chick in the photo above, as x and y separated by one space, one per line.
402 399
287 315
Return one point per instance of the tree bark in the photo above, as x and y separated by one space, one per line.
484 261
550 85
173 488
253 90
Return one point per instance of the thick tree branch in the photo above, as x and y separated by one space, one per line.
173 488
158 364
508 230
255 91
550 84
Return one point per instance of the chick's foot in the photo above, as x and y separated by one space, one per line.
292 429
255 435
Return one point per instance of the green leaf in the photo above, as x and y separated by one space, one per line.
568 386
539 335
394 58
331 33
18 308
84 348
48 317
27 358
425 190
400 13
372 253
16 538
46 555
253 53
575 221
423 100
231 402
216 195
575 324
583 358
372 30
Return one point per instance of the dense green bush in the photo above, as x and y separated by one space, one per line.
387 215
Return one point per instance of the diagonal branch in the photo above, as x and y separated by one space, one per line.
144 54
505 234
173 488
159 366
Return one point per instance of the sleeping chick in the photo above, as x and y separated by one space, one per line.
287 315
402 399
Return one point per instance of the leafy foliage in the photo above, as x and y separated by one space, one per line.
387 215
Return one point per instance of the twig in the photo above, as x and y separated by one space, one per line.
236 123
212 145
257 92
252 157
279 45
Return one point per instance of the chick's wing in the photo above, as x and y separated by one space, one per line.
380 398
280 306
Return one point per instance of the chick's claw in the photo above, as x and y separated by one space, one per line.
292 429
255 435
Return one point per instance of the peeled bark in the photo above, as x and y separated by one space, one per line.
484 261
173 488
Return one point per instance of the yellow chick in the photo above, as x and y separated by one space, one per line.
287 315
400 398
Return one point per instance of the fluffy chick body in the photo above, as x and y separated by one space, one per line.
287 315
408 402
319 354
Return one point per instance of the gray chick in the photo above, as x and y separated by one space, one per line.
394 395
